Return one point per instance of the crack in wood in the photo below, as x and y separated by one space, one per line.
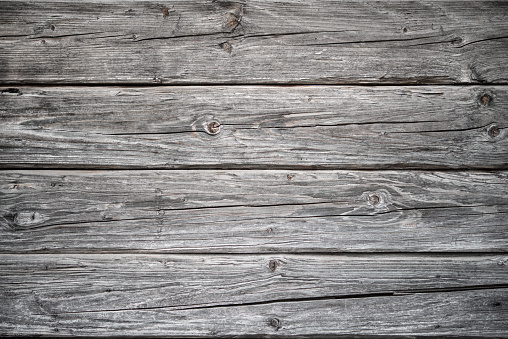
376 41
482 40
399 293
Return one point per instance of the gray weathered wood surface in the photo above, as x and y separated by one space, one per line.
254 168
260 127
253 211
258 41
210 295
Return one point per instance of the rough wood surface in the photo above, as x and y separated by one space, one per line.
283 295
253 211
264 191
141 281
259 41
258 127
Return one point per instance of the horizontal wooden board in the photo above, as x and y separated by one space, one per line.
91 283
249 295
332 127
253 211
261 41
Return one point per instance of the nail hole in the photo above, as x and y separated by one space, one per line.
404 30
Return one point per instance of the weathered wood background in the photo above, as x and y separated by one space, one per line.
254 168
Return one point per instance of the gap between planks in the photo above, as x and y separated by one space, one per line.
242 84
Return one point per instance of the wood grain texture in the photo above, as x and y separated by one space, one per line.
188 295
141 281
253 211
231 42
262 127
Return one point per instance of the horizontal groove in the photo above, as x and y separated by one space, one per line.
411 254
255 168
267 84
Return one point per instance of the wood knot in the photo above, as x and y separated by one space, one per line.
226 46
274 322
379 200
457 40
485 99
213 127
493 131
373 199
233 19
28 218
273 264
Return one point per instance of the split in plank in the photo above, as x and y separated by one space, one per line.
253 211
333 127
257 42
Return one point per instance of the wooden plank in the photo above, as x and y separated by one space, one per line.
95 282
241 295
259 127
250 211
315 41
